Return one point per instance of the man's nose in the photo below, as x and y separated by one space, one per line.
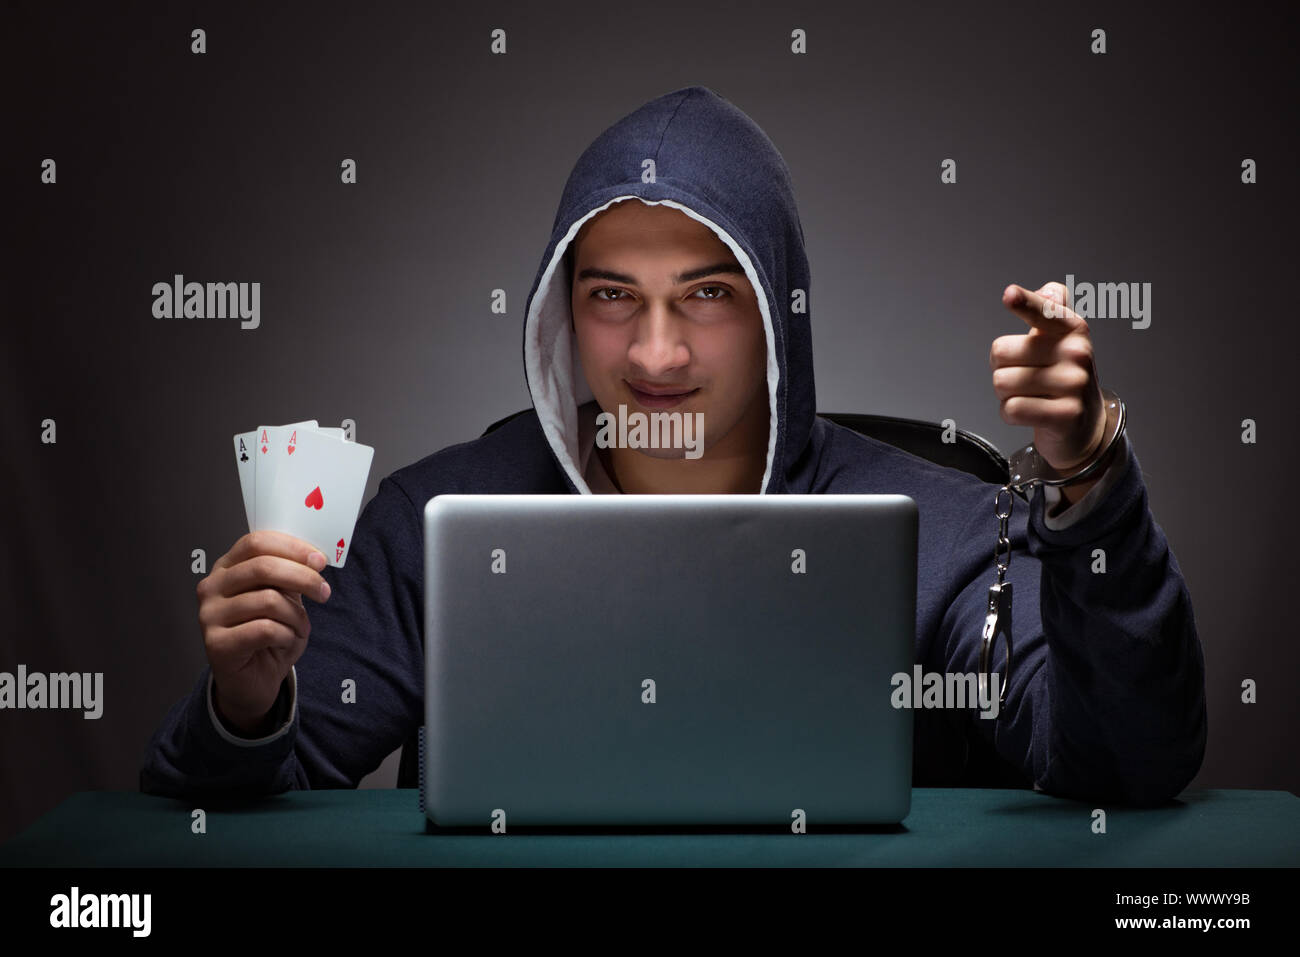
658 345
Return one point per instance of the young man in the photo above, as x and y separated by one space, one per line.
688 291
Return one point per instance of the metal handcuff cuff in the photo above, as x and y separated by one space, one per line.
1027 469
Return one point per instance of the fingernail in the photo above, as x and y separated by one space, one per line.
312 560
324 591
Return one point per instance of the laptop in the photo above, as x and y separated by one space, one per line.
659 660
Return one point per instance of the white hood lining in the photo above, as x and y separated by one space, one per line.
555 376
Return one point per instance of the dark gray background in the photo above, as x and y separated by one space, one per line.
375 297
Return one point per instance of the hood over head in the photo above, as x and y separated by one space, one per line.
713 163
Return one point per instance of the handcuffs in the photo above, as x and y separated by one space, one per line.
1027 469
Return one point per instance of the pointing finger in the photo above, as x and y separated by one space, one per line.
1042 313
1055 290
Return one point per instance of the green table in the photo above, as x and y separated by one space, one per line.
946 827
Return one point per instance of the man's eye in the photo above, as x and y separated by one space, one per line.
719 289
596 293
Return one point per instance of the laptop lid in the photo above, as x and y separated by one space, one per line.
667 659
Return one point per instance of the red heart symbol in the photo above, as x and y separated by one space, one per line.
291 448
315 500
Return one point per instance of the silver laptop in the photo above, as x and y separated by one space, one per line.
598 660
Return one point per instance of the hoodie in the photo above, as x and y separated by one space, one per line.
1105 698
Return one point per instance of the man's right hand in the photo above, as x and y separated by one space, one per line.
254 623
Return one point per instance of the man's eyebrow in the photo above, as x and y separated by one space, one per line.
610 276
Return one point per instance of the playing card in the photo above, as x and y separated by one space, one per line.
314 487
273 444
246 463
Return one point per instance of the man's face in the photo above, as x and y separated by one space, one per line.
661 305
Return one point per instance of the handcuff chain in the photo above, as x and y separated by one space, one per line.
997 620
1027 469
1002 550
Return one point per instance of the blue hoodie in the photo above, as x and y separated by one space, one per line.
1106 698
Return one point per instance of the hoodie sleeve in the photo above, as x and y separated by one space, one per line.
352 698
1106 699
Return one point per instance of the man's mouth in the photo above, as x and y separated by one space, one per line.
653 396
